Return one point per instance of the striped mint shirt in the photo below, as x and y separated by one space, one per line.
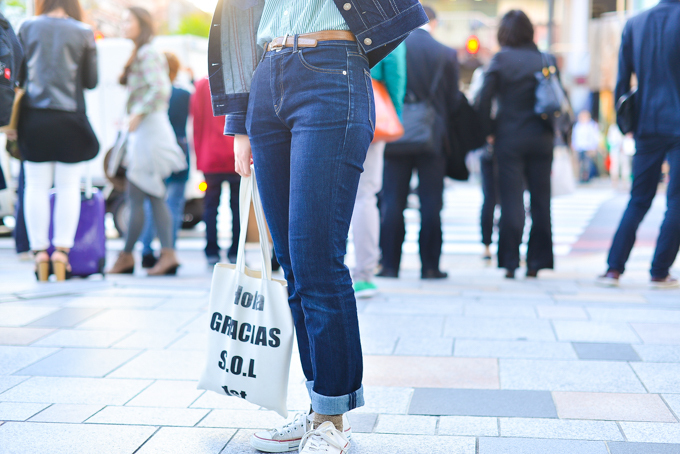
281 17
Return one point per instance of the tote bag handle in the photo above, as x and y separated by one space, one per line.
248 192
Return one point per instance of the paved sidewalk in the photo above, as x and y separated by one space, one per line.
473 364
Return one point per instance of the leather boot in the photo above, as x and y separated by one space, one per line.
167 264
125 264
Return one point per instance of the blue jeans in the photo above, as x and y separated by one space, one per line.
211 203
647 162
175 201
310 122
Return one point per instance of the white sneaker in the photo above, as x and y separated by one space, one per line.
325 438
287 437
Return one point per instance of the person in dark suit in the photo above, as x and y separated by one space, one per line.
424 55
523 143
650 48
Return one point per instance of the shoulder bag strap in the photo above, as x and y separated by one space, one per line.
437 77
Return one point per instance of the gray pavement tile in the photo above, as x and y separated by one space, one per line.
468 425
115 302
66 317
70 390
589 376
478 402
187 440
562 312
411 444
198 324
213 400
67 413
136 319
240 443
612 406
243 419
149 339
14 358
185 304
659 377
19 411
22 336
507 329
7 382
643 315
560 428
146 416
605 352
514 349
415 307
651 432
643 448
378 345
400 325
174 394
386 400
14 315
31 437
163 365
658 333
362 422
81 338
80 362
190 341
673 401
424 346
406 425
568 330
658 353
536 446
499 311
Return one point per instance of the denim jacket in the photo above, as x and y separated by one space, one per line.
233 54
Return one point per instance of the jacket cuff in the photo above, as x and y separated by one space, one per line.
235 124
229 104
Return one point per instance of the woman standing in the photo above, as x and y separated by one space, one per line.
55 137
305 114
523 144
152 149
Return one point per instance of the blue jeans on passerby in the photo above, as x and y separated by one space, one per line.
175 201
647 162
310 121
211 203
20 234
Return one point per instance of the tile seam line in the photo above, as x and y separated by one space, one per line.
663 399
59 349
210 410
638 377
28 377
230 439
136 395
147 440
623 434
133 357
37 413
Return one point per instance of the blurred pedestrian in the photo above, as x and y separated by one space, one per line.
215 158
366 217
178 112
152 149
585 141
523 145
54 134
429 64
647 51
304 115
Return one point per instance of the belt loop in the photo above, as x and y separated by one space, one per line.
295 43
264 54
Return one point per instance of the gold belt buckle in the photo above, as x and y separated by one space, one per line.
281 45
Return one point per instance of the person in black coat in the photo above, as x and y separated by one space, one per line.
523 144
424 57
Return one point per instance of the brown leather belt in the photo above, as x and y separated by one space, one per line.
310 39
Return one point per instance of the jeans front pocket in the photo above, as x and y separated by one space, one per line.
324 59
371 102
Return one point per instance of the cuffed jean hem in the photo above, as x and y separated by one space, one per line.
337 405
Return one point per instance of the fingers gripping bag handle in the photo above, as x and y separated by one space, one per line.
249 325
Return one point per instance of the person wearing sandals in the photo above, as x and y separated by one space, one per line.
293 79
55 137
152 152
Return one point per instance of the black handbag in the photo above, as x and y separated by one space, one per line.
421 134
551 100
625 112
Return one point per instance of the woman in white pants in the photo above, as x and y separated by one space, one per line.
55 136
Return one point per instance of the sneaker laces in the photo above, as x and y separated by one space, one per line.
323 437
289 425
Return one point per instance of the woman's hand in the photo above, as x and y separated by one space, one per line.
243 155
135 121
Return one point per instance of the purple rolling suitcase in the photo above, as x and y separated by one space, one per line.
88 255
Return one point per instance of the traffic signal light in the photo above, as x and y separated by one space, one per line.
472 45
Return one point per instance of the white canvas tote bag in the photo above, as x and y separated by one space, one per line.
250 331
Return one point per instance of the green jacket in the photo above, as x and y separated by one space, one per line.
392 72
